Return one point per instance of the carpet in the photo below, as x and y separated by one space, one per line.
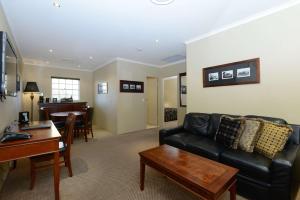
104 168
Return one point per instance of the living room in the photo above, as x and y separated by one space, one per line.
106 47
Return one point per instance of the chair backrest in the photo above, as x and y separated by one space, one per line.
90 114
46 113
69 127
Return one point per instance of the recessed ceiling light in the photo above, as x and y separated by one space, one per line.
157 41
78 66
162 2
51 50
91 57
56 4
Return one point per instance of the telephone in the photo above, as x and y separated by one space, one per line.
11 136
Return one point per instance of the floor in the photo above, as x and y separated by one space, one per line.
105 168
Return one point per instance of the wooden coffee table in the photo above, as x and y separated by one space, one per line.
204 177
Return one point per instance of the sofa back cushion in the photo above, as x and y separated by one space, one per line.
197 123
295 137
271 119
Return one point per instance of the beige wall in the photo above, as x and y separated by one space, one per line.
132 107
12 105
275 39
152 101
42 75
170 93
173 70
105 105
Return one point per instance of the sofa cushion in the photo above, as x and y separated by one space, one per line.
205 147
229 131
197 123
180 139
252 165
271 119
272 138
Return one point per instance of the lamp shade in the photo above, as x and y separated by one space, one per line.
31 87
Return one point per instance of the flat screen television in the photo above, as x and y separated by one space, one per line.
8 68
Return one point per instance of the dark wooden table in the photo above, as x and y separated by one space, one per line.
43 141
204 177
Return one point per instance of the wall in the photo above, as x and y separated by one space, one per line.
106 104
42 75
12 105
275 39
152 101
132 107
171 92
173 70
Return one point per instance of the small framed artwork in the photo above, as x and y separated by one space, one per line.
23 117
102 88
54 100
47 100
131 86
183 89
237 73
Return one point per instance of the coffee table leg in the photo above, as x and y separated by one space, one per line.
232 191
142 174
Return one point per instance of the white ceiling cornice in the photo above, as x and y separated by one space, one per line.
106 63
244 21
173 63
40 63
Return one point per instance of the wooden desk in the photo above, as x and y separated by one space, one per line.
43 141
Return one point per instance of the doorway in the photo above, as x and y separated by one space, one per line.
170 101
152 102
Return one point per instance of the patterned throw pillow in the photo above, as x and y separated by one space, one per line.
229 131
272 138
250 135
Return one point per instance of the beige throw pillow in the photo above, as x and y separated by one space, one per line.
272 138
250 135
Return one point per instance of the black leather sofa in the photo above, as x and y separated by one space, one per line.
259 177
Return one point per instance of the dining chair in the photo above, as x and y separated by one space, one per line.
42 161
60 125
86 125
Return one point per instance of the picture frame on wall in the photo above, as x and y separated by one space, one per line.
236 73
102 88
131 86
182 89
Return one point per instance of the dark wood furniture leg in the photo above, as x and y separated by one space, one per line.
142 174
232 191
56 175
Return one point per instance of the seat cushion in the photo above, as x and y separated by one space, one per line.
251 165
180 139
197 123
206 147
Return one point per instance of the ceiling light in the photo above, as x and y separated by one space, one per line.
91 57
162 2
157 41
56 4
78 66
51 50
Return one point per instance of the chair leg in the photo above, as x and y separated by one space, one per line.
85 134
32 172
92 133
68 162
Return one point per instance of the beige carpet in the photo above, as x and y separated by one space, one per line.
105 168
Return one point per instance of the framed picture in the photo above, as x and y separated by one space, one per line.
23 117
47 100
236 73
54 100
182 89
131 86
102 88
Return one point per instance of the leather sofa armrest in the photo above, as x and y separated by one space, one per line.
283 165
167 132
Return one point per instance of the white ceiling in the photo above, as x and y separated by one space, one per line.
105 29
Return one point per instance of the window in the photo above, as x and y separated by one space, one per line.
65 88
